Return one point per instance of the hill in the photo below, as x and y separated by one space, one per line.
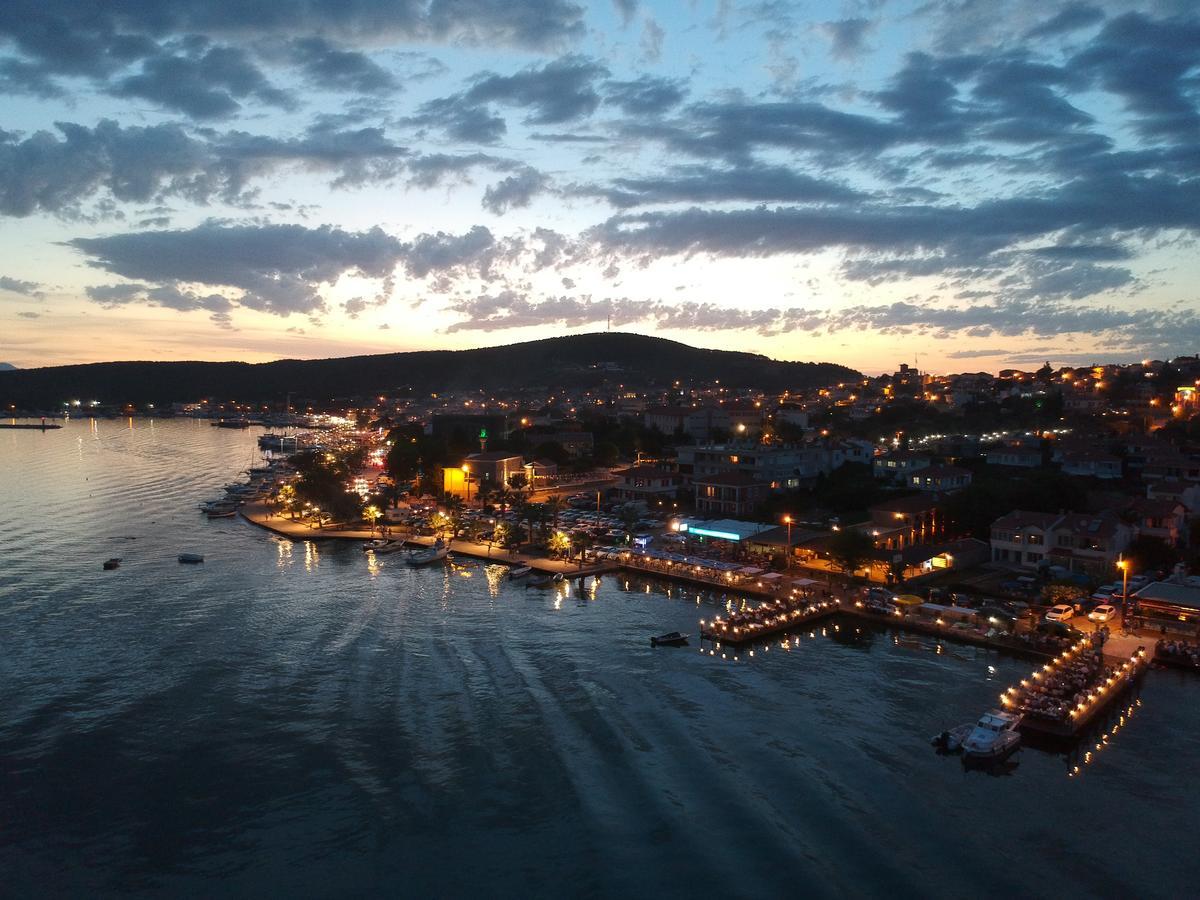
576 361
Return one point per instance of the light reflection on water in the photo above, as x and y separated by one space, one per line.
348 725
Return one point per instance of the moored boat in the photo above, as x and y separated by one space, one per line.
545 580
519 572
428 555
994 736
671 639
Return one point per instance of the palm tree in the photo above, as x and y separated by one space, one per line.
554 506
504 498
580 542
630 515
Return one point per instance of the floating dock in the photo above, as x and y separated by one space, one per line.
766 620
1087 704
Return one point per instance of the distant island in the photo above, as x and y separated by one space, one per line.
576 361
7 367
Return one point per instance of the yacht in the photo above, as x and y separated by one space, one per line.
994 736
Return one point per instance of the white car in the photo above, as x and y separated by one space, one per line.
1059 613
1103 613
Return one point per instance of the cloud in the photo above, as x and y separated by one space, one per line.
653 36
443 252
1151 64
645 95
53 35
976 354
515 191
560 91
17 286
461 119
846 36
203 84
1070 18
52 173
274 268
332 68
708 184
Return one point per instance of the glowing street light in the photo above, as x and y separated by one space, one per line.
787 520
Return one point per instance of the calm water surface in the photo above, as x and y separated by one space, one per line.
299 719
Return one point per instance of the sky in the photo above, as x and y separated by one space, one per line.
966 185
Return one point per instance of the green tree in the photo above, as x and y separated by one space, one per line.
849 548
1146 552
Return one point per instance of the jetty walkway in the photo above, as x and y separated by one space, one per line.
261 514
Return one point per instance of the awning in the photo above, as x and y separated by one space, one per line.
803 582
771 576
749 570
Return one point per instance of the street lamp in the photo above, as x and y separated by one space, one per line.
1123 565
787 520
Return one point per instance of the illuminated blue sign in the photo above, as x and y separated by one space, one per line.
724 535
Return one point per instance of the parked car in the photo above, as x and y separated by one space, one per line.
1060 612
1103 613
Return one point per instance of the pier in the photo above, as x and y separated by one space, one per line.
260 513
766 620
1062 697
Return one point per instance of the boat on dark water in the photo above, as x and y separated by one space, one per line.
670 639
110 564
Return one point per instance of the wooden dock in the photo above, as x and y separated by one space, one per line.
1099 696
766 620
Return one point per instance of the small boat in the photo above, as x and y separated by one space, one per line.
110 564
545 580
378 544
392 547
519 572
191 558
994 736
221 512
428 555
951 741
671 639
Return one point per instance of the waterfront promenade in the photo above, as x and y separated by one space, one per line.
261 514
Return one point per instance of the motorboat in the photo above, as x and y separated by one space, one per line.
110 564
221 512
377 544
428 555
951 741
671 639
545 580
995 736
519 572
389 546
190 558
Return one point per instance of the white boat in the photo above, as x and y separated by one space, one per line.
994 736
428 555
377 544
390 547
519 572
